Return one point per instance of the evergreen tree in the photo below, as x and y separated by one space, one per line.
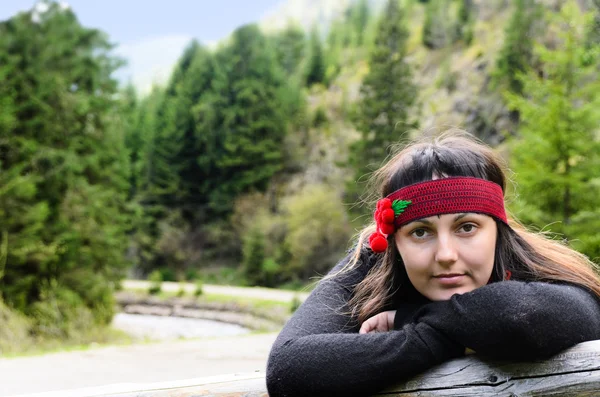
139 128
466 21
315 72
360 18
290 49
557 156
171 174
516 54
241 122
172 119
64 171
593 33
254 257
388 95
438 29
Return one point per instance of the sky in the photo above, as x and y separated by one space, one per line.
152 34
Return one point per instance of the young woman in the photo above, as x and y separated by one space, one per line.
442 271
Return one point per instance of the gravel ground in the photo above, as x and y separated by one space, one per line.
144 363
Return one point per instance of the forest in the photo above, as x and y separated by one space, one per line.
249 166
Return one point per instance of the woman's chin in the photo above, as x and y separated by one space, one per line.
446 294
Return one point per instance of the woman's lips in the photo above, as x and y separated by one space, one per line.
449 279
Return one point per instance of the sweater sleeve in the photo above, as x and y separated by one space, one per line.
517 320
320 353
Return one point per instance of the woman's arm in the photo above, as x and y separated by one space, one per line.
517 320
319 351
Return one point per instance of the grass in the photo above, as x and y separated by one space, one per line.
96 338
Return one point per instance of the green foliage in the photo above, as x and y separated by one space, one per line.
254 256
465 21
15 333
317 230
448 77
516 55
199 290
388 96
320 117
316 67
60 313
290 48
156 280
438 28
216 132
64 172
557 155
359 15
242 121
181 290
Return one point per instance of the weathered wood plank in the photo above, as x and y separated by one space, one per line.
575 369
574 372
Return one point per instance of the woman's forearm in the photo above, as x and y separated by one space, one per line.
352 364
515 319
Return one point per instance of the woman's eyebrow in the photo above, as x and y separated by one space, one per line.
460 216
429 223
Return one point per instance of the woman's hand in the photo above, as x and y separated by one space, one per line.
382 322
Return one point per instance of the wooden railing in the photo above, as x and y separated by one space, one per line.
574 372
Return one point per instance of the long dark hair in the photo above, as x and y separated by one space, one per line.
527 255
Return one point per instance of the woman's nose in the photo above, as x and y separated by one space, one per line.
446 250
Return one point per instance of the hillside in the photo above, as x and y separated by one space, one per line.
453 91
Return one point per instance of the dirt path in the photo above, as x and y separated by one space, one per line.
145 363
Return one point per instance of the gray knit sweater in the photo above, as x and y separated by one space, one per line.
320 353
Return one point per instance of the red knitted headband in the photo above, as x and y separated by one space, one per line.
439 196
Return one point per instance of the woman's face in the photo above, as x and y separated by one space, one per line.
448 254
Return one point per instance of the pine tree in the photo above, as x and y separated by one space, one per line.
388 95
593 33
516 54
465 21
64 170
290 48
316 68
438 28
557 154
254 256
242 122
360 18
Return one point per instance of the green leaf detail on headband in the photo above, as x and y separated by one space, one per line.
399 206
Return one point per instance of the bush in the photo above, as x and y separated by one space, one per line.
447 78
254 256
181 291
155 279
60 313
15 331
320 118
317 230
199 289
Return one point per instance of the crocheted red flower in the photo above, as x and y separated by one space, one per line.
385 214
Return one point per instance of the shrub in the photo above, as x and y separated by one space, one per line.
155 279
317 230
199 289
181 291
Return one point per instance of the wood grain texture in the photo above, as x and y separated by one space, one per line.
574 372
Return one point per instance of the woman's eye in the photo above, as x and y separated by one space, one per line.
467 227
419 233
